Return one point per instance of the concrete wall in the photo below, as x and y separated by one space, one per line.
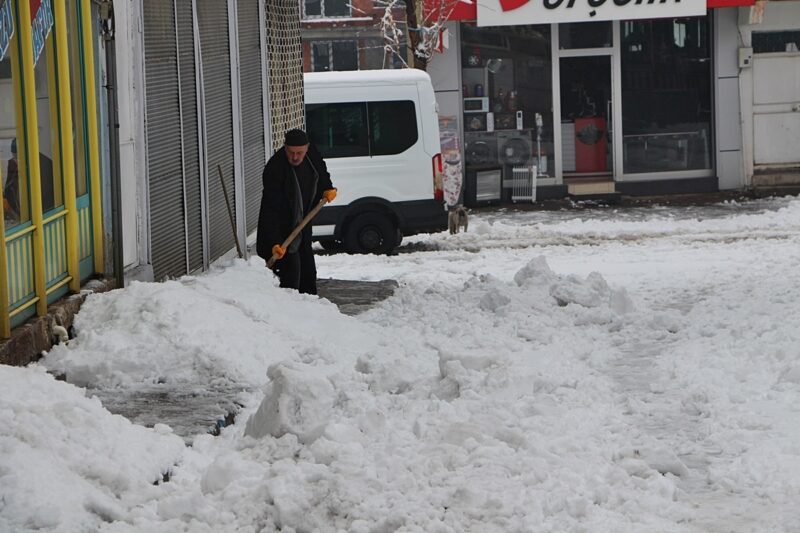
784 15
445 71
130 78
727 108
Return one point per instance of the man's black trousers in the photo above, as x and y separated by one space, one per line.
298 270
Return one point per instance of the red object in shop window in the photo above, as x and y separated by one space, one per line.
590 144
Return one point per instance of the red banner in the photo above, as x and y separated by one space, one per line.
729 3
35 8
468 10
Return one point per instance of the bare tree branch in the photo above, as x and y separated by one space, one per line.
425 21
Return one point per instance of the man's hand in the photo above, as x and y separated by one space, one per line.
329 195
278 251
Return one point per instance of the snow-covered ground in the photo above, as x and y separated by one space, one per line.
599 371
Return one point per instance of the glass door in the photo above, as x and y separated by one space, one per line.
586 116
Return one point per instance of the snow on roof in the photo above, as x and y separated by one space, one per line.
366 77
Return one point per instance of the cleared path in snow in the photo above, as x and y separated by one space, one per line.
710 405
671 384
195 408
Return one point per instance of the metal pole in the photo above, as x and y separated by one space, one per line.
107 13
230 213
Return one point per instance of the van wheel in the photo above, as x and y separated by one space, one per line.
371 233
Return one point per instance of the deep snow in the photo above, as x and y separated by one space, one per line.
617 370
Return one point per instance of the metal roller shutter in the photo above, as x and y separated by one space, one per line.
163 132
191 136
212 18
250 70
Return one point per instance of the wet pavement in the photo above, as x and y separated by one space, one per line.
695 207
200 408
193 409
189 410
354 297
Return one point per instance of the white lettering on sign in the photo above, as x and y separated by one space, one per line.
6 27
513 12
41 26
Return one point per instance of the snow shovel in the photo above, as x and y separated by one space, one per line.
296 231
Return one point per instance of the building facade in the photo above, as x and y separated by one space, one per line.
624 100
769 58
206 90
52 217
349 35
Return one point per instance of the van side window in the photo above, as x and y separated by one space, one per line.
338 130
392 126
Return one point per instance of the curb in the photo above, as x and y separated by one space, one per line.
31 339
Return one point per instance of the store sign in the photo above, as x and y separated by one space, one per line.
512 12
6 27
41 24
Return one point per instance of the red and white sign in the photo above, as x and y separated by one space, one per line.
468 9
512 12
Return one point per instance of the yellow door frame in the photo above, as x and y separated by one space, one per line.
29 164
90 109
66 141
23 79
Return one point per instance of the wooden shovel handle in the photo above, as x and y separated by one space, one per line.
296 231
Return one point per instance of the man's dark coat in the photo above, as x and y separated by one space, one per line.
280 202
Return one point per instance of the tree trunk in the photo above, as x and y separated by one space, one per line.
413 8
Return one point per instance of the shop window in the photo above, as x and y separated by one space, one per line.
507 102
46 86
766 42
338 130
78 114
320 57
666 95
574 35
326 8
15 197
334 55
392 127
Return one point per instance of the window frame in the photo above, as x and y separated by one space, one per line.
367 115
323 15
327 106
329 45
681 140
374 111
760 41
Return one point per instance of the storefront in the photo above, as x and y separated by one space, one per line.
771 99
51 210
591 102
206 89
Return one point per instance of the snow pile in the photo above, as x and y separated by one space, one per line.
225 327
592 292
67 464
296 402
569 228
447 429
646 383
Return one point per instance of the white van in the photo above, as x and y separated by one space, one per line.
378 132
